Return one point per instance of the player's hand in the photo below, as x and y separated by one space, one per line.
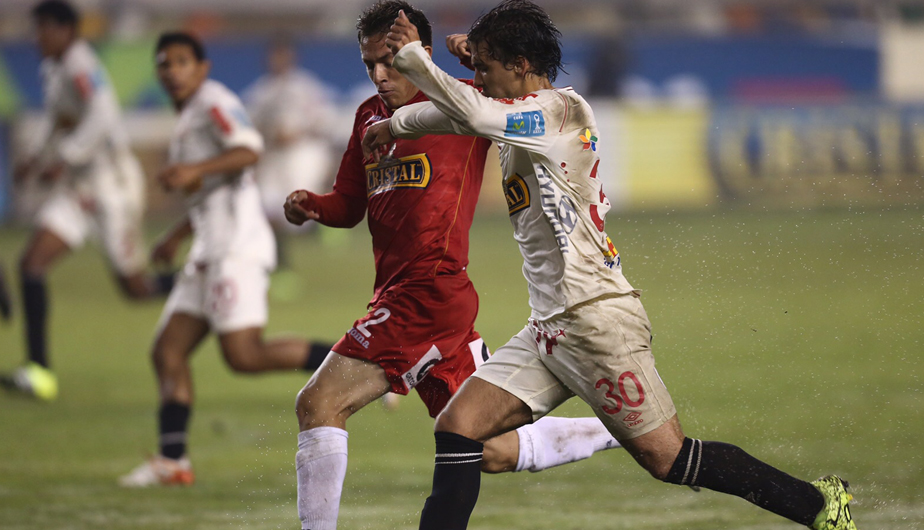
402 33
164 251
299 208
377 140
457 44
180 177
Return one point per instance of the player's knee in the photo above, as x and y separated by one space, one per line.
498 458
310 409
451 421
30 267
244 362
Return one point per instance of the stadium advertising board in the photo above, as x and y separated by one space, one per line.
809 156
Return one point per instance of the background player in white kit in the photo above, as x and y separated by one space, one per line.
293 111
98 189
222 287
588 334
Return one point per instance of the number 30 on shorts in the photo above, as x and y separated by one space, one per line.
621 397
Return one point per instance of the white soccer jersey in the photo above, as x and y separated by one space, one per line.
296 102
226 216
82 126
297 105
547 144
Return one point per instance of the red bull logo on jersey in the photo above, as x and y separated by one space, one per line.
406 172
517 193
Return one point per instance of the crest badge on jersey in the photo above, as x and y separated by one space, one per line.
525 124
406 172
517 193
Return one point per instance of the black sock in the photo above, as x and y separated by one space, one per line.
317 352
163 283
6 306
173 419
35 305
728 469
456 482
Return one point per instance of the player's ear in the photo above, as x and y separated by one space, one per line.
429 50
205 67
521 66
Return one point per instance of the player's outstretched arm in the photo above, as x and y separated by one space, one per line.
189 176
333 209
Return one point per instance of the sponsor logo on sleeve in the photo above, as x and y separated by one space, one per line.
517 193
406 172
589 141
530 123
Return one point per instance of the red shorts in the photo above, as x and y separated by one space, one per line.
422 333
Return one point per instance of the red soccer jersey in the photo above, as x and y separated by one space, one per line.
420 206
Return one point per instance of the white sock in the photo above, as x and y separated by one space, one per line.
552 441
320 465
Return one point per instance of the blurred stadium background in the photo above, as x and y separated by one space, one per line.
765 159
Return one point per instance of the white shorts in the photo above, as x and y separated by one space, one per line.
117 226
601 352
230 295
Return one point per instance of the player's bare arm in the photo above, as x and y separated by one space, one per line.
402 32
189 176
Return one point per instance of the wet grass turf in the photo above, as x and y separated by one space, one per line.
797 336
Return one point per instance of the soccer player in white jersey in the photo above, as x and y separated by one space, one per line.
81 148
588 334
293 111
222 287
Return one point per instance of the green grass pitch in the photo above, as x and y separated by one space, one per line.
798 336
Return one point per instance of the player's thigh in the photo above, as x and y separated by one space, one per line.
44 248
241 348
61 219
605 358
177 339
656 450
339 387
518 368
480 411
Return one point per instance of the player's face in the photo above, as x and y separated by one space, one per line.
394 89
53 38
494 78
180 72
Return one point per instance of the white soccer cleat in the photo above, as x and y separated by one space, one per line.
159 471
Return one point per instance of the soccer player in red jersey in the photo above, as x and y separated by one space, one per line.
419 331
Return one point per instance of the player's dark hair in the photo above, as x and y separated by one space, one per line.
378 18
520 28
57 11
182 38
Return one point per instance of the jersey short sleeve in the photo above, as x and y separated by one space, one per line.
232 126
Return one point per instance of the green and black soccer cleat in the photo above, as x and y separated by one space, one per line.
836 513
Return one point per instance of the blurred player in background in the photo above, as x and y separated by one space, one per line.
222 287
419 330
82 149
588 334
293 111
6 305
